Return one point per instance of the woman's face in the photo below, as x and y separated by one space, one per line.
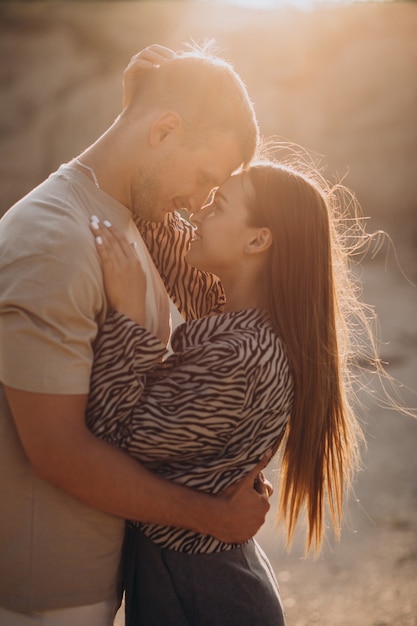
222 232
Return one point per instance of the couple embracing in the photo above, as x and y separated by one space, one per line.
152 365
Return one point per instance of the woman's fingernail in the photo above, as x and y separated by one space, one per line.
94 225
107 223
94 218
99 240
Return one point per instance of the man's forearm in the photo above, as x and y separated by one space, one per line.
65 453
107 479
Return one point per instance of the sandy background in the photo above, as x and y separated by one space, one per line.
341 81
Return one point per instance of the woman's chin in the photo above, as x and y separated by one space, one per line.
194 260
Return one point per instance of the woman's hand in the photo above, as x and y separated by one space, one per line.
123 275
144 61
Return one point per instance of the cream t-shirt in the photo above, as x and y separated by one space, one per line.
54 551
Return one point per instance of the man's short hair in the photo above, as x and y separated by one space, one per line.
208 94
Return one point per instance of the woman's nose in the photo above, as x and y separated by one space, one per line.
195 217
200 199
198 216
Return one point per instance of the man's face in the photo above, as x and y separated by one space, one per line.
184 176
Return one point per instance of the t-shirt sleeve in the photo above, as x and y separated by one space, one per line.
48 311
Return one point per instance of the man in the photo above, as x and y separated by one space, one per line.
185 126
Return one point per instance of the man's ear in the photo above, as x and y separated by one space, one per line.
163 126
260 241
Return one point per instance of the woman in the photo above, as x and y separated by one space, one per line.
269 369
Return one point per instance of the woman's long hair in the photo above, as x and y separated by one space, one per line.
310 295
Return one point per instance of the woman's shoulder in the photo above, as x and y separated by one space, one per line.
219 326
245 330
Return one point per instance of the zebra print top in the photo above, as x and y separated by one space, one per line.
204 416
194 292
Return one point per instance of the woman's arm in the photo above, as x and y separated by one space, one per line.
189 417
125 352
64 453
194 292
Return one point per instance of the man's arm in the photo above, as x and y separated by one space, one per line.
63 452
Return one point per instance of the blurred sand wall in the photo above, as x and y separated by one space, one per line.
341 81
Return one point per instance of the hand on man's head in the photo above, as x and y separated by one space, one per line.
146 60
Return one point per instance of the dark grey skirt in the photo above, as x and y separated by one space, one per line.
170 588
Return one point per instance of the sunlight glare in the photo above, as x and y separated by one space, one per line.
275 4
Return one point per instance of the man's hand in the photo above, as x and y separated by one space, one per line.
65 453
263 486
144 61
245 505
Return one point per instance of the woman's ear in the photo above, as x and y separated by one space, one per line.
164 126
260 241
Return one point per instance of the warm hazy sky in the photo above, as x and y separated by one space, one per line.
265 4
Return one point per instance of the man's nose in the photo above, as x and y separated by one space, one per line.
200 199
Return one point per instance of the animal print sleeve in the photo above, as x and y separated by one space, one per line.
123 354
195 293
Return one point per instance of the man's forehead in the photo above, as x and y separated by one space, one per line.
225 144
226 159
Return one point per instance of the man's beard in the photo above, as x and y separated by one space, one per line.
146 198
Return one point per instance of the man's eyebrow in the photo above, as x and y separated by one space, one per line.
210 197
218 195
209 178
